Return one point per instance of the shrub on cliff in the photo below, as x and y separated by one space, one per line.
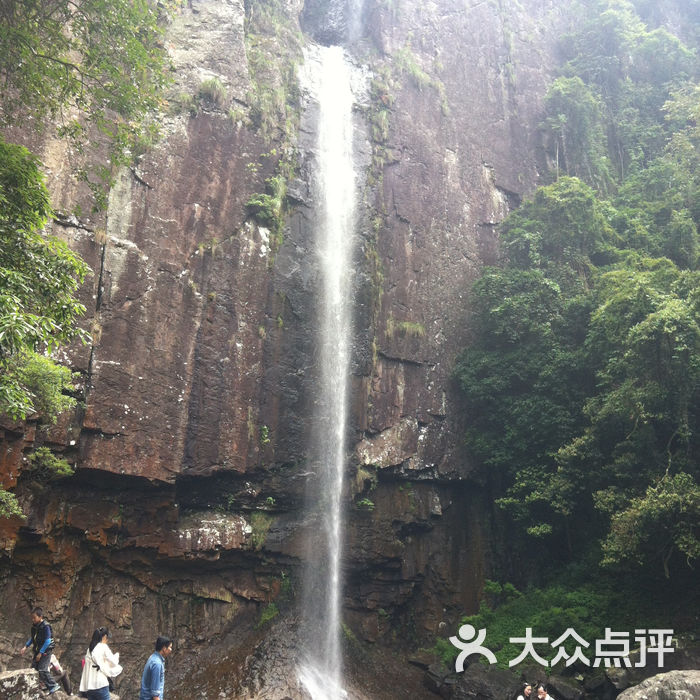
39 276
46 466
212 91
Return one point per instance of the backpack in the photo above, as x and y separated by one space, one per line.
60 675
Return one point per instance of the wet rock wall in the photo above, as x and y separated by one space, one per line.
185 513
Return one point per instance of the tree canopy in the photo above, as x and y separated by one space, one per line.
582 385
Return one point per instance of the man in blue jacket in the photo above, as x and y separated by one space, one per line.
42 643
153 678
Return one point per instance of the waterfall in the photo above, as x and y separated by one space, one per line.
330 83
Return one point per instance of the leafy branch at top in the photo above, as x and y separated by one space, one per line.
84 65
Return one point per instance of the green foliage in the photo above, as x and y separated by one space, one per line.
682 241
407 329
212 91
269 612
579 596
524 375
382 87
268 208
349 635
446 652
582 379
9 507
574 118
560 231
365 479
104 61
46 466
406 62
286 589
38 385
656 525
104 58
620 69
549 612
644 339
183 103
497 594
262 207
39 276
582 383
273 49
365 504
260 523
56 53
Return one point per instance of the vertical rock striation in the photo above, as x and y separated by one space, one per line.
185 514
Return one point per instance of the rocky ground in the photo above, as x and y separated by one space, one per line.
478 683
24 684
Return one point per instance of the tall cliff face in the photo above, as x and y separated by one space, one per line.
186 510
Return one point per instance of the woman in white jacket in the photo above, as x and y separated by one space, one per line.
99 666
525 691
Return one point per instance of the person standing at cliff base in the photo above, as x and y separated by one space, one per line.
99 667
542 692
153 678
42 644
525 691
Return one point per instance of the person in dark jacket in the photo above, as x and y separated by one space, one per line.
42 644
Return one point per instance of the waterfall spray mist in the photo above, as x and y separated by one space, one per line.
335 197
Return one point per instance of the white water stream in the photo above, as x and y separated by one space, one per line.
329 79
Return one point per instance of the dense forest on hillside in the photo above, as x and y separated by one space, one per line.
582 383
